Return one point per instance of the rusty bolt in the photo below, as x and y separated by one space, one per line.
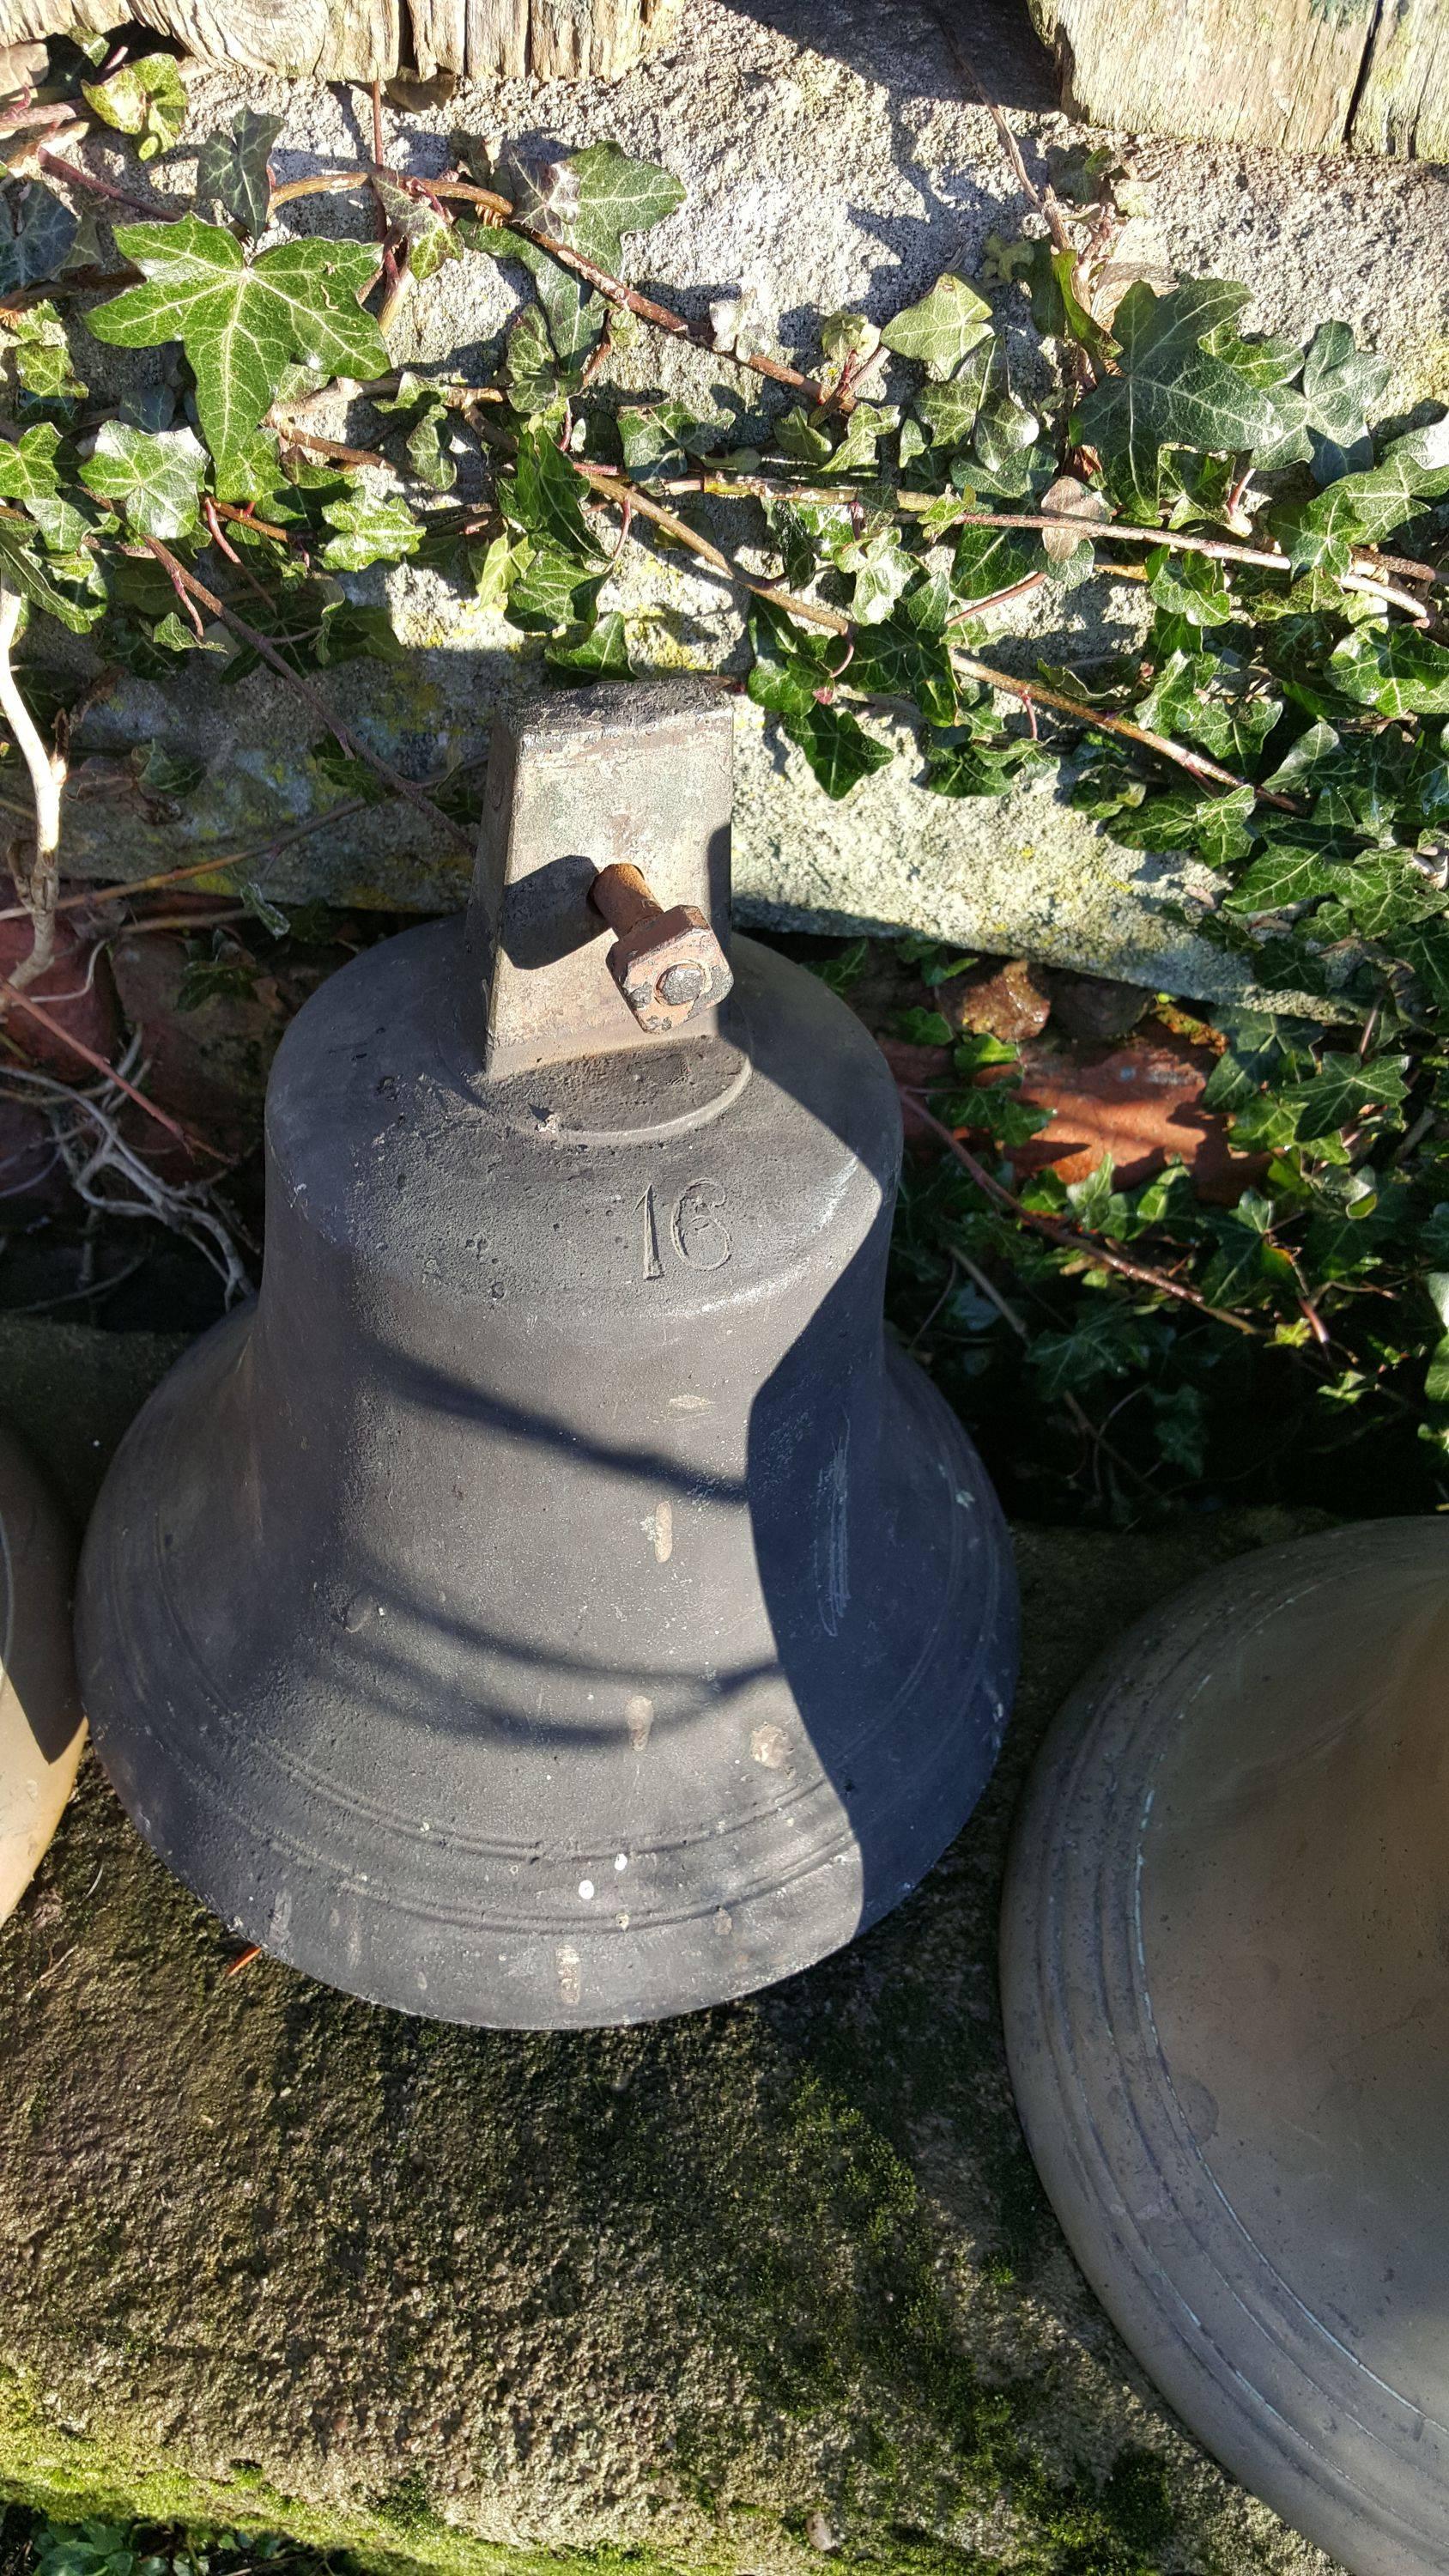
669 966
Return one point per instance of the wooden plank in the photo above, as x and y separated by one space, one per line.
367 39
440 36
497 39
1403 106
1281 72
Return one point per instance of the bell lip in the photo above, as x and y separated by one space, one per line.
1107 2153
788 1918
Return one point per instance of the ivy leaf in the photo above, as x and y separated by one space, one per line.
942 329
949 410
788 669
1004 452
352 632
146 98
838 748
22 569
243 325
1215 826
667 437
602 655
1394 669
550 590
27 469
991 559
1342 384
155 476
370 528
1359 509
881 568
531 366
35 342
429 235
980 768
593 198
1172 391
1340 1093
897 659
1190 586
233 172
1284 875
545 496
36 233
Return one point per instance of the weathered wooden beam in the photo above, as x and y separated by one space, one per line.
1304 75
371 39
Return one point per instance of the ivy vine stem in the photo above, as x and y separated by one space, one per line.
38 879
647 308
1069 1238
187 586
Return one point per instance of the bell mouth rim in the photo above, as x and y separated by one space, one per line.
1249 2352
957 1709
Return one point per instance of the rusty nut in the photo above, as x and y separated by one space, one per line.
669 968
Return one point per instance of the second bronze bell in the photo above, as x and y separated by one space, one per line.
554 1604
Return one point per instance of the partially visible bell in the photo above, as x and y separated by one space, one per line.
1225 1972
554 1604
42 1731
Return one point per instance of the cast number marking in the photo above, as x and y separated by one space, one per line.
696 1229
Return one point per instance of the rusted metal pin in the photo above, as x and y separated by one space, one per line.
668 965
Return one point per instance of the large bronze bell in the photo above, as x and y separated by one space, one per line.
553 1604
1226 1982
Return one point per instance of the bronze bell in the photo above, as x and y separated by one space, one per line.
553 1604
1226 1988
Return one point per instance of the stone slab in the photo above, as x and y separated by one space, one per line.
711 2295
830 161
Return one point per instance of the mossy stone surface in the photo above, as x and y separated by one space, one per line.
706 2295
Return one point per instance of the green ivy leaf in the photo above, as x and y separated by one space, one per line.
593 198
154 475
1360 509
899 659
233 169
27 468
38 348
545 496
36 233
980 768
1284 875
1394 669
942 329
1172 391
949 410
603 653
991 559
668 437
1343 1089
370 528
1190 586
881 569
22 569
549 590
242 326
428 232
353 632
145 98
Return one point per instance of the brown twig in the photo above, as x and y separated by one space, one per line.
187 585
334 447
1069 1238
1029 691
662 317
59 168
11 994
59 112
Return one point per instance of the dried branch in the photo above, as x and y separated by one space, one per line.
187 585
1070 1238
37 880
